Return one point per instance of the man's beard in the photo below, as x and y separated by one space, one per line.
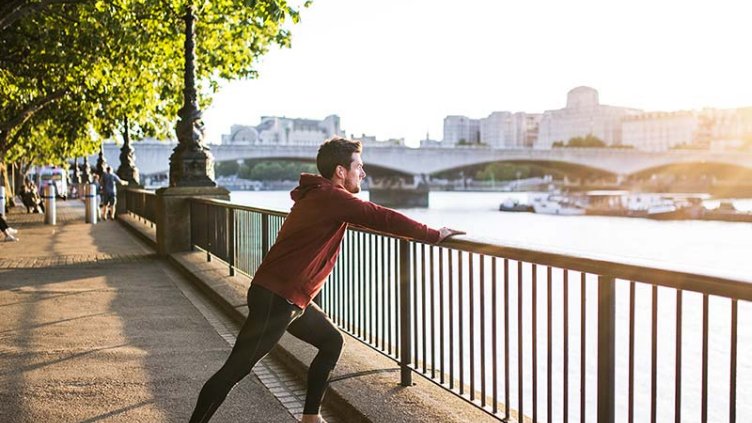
354 189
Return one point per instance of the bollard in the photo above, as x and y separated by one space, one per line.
2 201
50 213
90 203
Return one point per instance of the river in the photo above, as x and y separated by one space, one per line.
709 247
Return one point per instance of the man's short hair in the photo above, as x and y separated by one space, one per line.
336 151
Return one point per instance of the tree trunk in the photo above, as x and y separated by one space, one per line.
5 181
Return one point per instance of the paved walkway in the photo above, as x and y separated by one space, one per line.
94 327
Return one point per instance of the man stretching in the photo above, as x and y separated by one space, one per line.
295 270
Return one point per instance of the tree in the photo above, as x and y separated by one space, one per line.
227 168
588 141
99 62
503 172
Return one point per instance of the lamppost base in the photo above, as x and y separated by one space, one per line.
192 168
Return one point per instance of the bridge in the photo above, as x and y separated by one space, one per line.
154 157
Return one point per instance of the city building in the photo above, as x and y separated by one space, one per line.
727 129
583 115
509 130
274 130
498 130
461 130
660 131
714 129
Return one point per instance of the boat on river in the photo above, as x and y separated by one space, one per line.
625 204
557 204
514 205
727 212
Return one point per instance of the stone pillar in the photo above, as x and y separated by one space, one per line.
191 165
174 215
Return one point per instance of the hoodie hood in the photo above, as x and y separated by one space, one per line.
308 182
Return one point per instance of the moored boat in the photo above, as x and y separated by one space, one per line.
514 205
556 204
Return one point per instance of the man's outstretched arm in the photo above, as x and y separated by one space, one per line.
370 215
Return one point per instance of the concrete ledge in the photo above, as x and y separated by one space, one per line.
366 384
143 230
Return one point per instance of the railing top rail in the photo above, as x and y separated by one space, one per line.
605 266
140 191
230 205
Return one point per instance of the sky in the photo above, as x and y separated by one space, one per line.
396 68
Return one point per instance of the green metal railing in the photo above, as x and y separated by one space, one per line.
142 204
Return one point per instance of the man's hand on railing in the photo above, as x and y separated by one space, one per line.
445 233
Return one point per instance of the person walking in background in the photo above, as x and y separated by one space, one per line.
295 269
30 197
10 233
109 182
98 195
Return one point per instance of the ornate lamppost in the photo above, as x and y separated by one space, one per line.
76 175
191 163
86 177
76 179
128 170
101 161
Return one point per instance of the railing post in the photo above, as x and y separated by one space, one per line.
264 234
231 240
606 350
192 211
208 238
405 323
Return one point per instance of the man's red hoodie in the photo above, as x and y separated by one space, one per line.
308 244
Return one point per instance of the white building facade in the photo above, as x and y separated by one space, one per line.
715 129
727 129
660 131
583 115
461 129
275 130
509 130
498 130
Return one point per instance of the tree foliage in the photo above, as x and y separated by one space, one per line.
588 141
97 62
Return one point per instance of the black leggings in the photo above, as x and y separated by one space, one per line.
269 315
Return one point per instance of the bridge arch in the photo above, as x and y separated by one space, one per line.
556 166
